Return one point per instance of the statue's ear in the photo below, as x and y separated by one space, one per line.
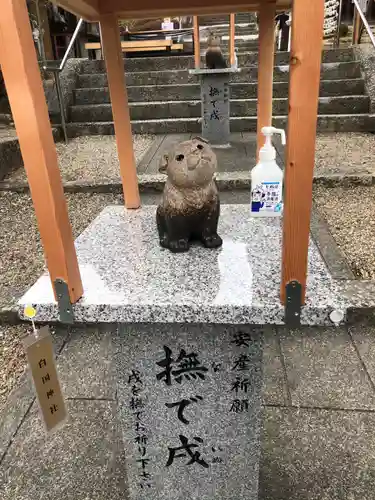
163 164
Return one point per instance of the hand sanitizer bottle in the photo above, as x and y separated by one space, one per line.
267 179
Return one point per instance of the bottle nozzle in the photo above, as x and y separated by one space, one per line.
269 131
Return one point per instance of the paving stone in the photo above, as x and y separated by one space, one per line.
11 415
178 382
317 455
238 157
82 460
323 369
274 386
364 339
165 146
85 366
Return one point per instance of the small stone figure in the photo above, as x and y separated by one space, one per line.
214 56
190 206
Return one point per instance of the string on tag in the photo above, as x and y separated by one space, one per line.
30 313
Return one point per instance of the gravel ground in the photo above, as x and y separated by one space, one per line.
21 263
91 158
350 213
95 158
347 153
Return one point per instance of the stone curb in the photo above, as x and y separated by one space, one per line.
9 315
225 181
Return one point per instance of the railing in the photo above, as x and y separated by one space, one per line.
56 70
365 24
359 15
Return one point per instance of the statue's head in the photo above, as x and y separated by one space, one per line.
190 164
213 40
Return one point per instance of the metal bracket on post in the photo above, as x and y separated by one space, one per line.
293 304
63 301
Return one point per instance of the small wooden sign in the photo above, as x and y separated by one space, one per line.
41 358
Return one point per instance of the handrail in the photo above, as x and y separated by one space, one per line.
365 22
71 43
56 73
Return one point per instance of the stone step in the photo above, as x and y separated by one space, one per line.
241 17
330 71
192 91
192 109
326 123
241 45
185 62
222 30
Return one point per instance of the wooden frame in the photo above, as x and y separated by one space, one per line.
30 114
171 8
22 77
197 43
133 45
306 54
141 46
232 30
120 109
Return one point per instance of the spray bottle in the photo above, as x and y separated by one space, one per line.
267 179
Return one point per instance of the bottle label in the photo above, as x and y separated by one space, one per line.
267 197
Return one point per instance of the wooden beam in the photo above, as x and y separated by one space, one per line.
197 46
171 8
146 43
88 9
306 54
26 96
121 117
133 45
266 57
145 49
232 29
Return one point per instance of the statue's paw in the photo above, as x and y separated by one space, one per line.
164 242
179 246
212 241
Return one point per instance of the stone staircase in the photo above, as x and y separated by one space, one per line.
165 98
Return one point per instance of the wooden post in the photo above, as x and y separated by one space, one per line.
197 47
39 10
111 48
356 26
47 34
265 67
231 38
26 96
306 54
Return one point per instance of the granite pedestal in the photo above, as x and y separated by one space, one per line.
128 278
190 411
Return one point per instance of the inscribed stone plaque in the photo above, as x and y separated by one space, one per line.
215 108
189 400
41 360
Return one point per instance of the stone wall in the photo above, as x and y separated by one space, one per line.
68 79
365 54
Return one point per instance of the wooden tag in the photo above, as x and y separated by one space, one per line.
41 358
